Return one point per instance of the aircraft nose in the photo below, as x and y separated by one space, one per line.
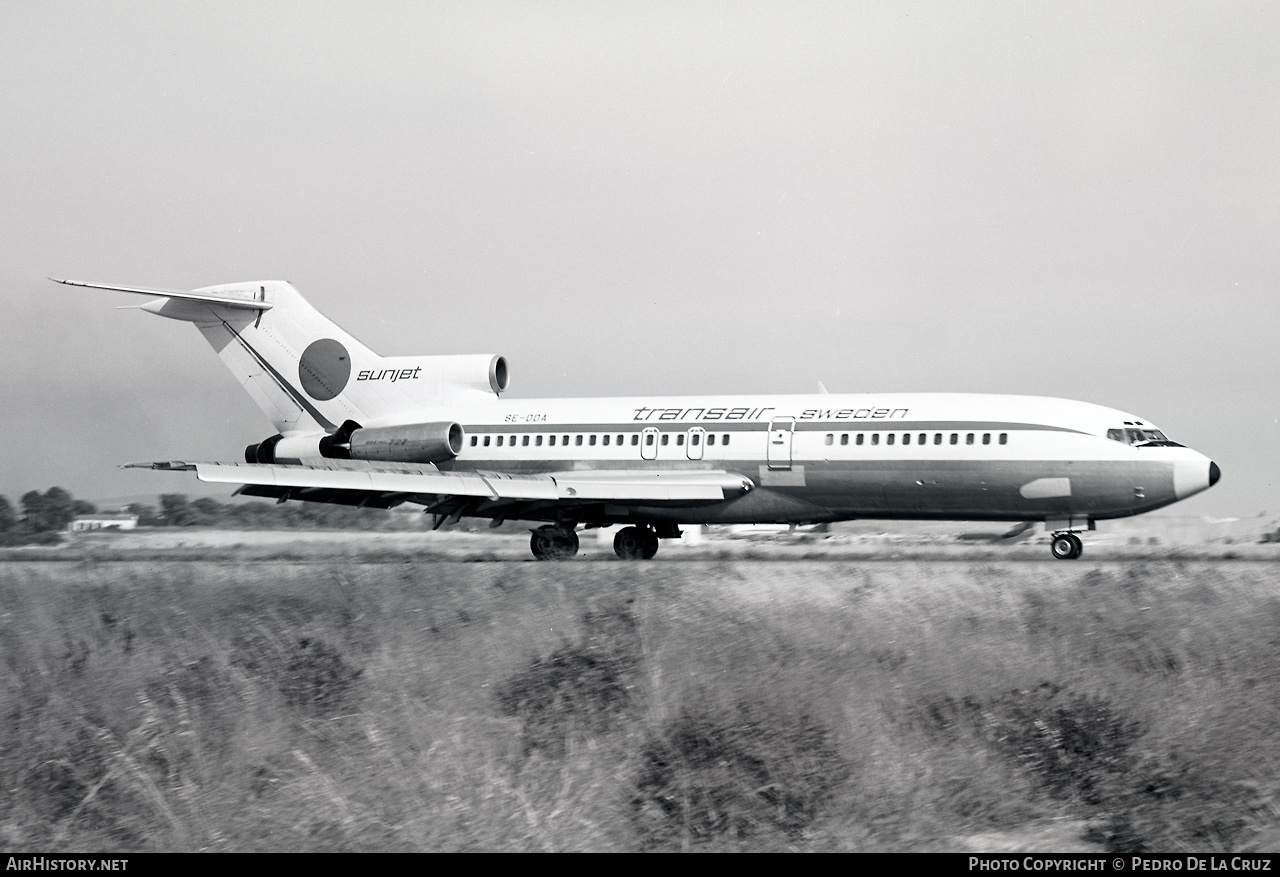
1193 474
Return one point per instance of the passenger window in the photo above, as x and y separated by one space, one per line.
635 440
577 440
486 441
592 441
551 441
1004 438
986 438
606 441
500 438
906 438
921 439
711 440
680 440
619 439
968 439
648 440
695 439
844 438
524 442
665 438
473 441
888 440
875 438
829 439
860 438
564 440
512 442
954 438
724 440
537 440
937 438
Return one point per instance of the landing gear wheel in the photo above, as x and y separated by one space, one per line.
626 543
553 543
1079 546
1066 546
635 543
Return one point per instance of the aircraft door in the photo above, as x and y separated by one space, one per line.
780 433
697 438
649 443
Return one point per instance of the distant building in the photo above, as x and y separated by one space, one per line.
104 521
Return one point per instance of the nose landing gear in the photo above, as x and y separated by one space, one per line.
1066 546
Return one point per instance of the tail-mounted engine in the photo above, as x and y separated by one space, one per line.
414 443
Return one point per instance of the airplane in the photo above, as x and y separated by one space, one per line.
359 429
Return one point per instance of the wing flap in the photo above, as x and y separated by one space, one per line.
378 480
631 486
617 486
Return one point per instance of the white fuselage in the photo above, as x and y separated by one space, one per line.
831 457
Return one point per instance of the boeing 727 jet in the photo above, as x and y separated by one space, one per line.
355 428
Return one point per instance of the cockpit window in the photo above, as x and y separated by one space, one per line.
1146 438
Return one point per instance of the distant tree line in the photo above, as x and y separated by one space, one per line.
41 517
176 510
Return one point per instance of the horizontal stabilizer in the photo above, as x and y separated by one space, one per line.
225 301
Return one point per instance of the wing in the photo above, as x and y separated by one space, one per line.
454 494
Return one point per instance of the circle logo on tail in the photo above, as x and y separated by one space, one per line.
324 369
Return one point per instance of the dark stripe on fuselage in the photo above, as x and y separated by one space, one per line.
608 428
975 490
926 426
763 426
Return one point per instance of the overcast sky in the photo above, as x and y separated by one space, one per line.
1065 199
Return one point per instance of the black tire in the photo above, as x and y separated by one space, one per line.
566 544
553 543
540 543
626 544
648 545
1064 547
1078 546
635 543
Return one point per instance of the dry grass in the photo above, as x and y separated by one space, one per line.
236 705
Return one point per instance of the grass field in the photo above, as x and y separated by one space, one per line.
245 703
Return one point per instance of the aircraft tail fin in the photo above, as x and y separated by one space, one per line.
306 373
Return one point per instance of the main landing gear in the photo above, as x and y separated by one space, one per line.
553 543
635 543
1066 546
